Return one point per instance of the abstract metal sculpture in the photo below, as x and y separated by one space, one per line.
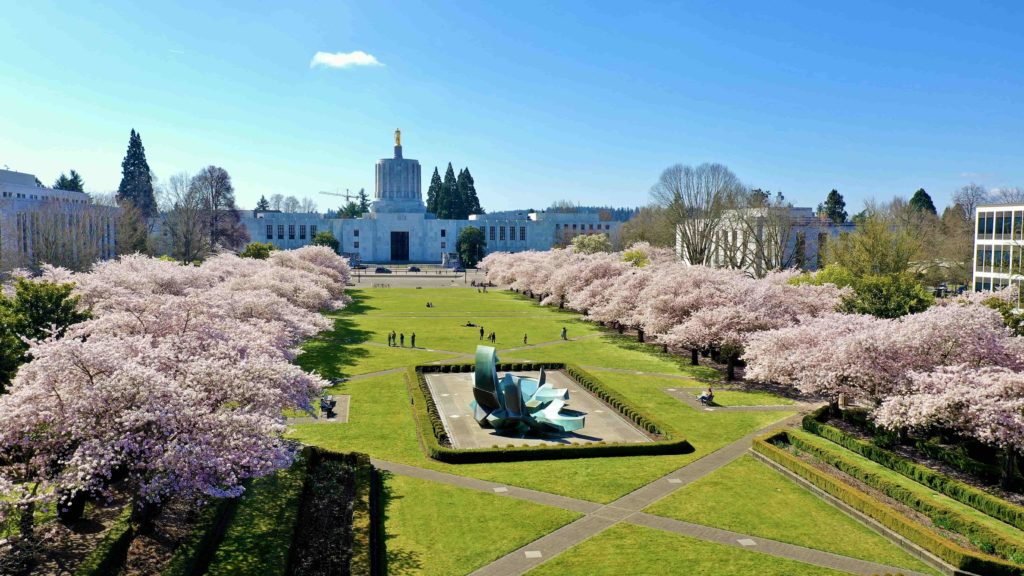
517 403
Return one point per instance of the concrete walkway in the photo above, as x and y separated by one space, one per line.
629 508
687 396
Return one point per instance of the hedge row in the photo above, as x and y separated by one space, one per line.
950 552
613 399
942 515
112 551
959 491
433 437
958 458
192 556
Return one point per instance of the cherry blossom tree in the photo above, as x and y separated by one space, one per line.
177 384
984 403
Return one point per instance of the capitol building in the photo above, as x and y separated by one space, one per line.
398 227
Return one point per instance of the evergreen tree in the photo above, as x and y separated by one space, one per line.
364 202
448 199
470 246
136 180
922 201
467 191
834 207
433 192
263 204
349 210
73 183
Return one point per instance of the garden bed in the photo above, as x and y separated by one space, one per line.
437 445
783 448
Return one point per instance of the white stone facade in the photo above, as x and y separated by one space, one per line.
399 229
39 224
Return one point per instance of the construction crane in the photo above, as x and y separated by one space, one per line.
348 197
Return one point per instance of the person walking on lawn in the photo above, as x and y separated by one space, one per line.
413 341
401 338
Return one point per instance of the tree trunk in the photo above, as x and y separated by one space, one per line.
70 507
561 303
27 521
144 515
639 334
730 368
664 348
694 354
620 327
1009 477
833 408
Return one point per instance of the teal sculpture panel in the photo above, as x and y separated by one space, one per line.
518 403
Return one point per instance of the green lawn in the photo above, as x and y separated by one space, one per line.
440 529
381 424
260 535
923 492
741 398
628 549
748 496
380 418
610 350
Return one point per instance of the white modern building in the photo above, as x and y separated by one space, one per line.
399 229
39 224
998 246
762 239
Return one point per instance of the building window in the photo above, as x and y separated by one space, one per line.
512 233
280 231
607 226
443 245
270 231
355 233
302 231
312 230
573 226
443 233
492 234
592 226
355 244
501 233
291 231
522 233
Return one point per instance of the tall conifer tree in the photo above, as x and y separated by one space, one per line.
472 202
263 204
834 207
448 199
136 179
433 192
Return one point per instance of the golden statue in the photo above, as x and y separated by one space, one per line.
398 137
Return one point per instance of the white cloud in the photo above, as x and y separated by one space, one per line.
343 59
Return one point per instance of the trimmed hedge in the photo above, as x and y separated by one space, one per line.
978 499
981 536
950 552
110 554
193 555
435 442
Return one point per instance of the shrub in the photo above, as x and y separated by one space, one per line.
951 518
948 551
980 500
435 442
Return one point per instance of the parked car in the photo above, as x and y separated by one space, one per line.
414 268
359 267
459 269
381 270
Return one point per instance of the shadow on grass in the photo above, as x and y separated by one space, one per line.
331 352
397 561
626 342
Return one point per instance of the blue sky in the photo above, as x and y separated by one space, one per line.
583 101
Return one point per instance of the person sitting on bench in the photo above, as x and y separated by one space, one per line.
327 405
706 397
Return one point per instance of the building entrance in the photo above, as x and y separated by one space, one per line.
399 246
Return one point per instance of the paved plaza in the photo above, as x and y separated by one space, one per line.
453 393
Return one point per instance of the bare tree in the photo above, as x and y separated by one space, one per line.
968 197
695 200
649 224
291 204
185 220
275 201
72 236
308 205
1008 195
224 227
